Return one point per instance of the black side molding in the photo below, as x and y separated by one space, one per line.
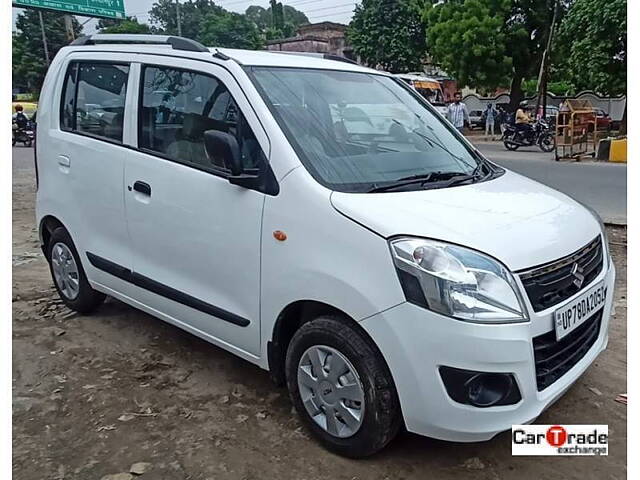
163 290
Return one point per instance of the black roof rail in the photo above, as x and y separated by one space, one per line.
326 56
338 58
177 43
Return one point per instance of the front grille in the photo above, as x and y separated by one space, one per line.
555 358
550 284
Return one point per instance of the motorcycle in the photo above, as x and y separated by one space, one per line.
25 136
539 134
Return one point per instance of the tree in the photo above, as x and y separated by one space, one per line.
264 19
29 65
230 29
389 34
490 43
162 16
594 34
207 23
277 15
468 40
128 25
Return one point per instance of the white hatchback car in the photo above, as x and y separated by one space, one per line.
319 219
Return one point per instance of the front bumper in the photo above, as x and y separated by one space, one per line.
415 342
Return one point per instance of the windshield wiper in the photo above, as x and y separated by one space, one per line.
443 179
476 175
420 178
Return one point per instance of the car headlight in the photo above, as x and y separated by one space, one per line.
456 281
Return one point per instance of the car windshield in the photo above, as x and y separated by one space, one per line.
433 96
355 132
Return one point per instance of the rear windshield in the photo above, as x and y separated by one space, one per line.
354 131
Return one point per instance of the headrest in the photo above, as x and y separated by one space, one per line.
194 125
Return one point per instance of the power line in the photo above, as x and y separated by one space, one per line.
235 3
331 14
330 8
301 2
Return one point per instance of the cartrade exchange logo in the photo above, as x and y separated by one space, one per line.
560 440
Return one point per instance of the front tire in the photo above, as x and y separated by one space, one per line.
68 275
547 142
342 388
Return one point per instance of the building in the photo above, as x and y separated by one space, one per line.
323 37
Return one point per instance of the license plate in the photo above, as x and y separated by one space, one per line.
578 311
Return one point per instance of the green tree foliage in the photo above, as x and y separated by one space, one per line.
264 19
469 41
557 87
277 14
230 29
593 44
128 25
389 34
207 23
163 16
29 65
489 43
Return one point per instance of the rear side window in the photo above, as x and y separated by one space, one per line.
94 99
179 106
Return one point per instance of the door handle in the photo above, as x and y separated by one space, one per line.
64 161
142 187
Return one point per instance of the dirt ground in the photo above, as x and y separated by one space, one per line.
94 395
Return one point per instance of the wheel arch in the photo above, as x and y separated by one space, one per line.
47 225
290 319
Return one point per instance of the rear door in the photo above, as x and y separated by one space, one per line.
86 150
195 237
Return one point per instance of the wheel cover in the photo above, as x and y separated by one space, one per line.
65 271
331 391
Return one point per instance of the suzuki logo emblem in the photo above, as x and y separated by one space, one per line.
578 277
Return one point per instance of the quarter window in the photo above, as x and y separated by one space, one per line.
67 111
179 106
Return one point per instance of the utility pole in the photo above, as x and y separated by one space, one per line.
68 26
178 18
544 66
44 38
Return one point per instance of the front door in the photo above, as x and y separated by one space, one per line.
195 237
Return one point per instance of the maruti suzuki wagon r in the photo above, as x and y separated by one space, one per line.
321 220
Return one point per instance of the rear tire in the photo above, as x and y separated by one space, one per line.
509 145
378 414
68 275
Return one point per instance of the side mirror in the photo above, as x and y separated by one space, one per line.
223 145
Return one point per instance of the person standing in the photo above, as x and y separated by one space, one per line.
490 115
457 112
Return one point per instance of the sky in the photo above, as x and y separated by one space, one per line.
339 11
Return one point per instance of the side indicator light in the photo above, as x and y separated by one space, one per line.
279 235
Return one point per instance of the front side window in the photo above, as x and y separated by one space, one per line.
179 106
355 132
